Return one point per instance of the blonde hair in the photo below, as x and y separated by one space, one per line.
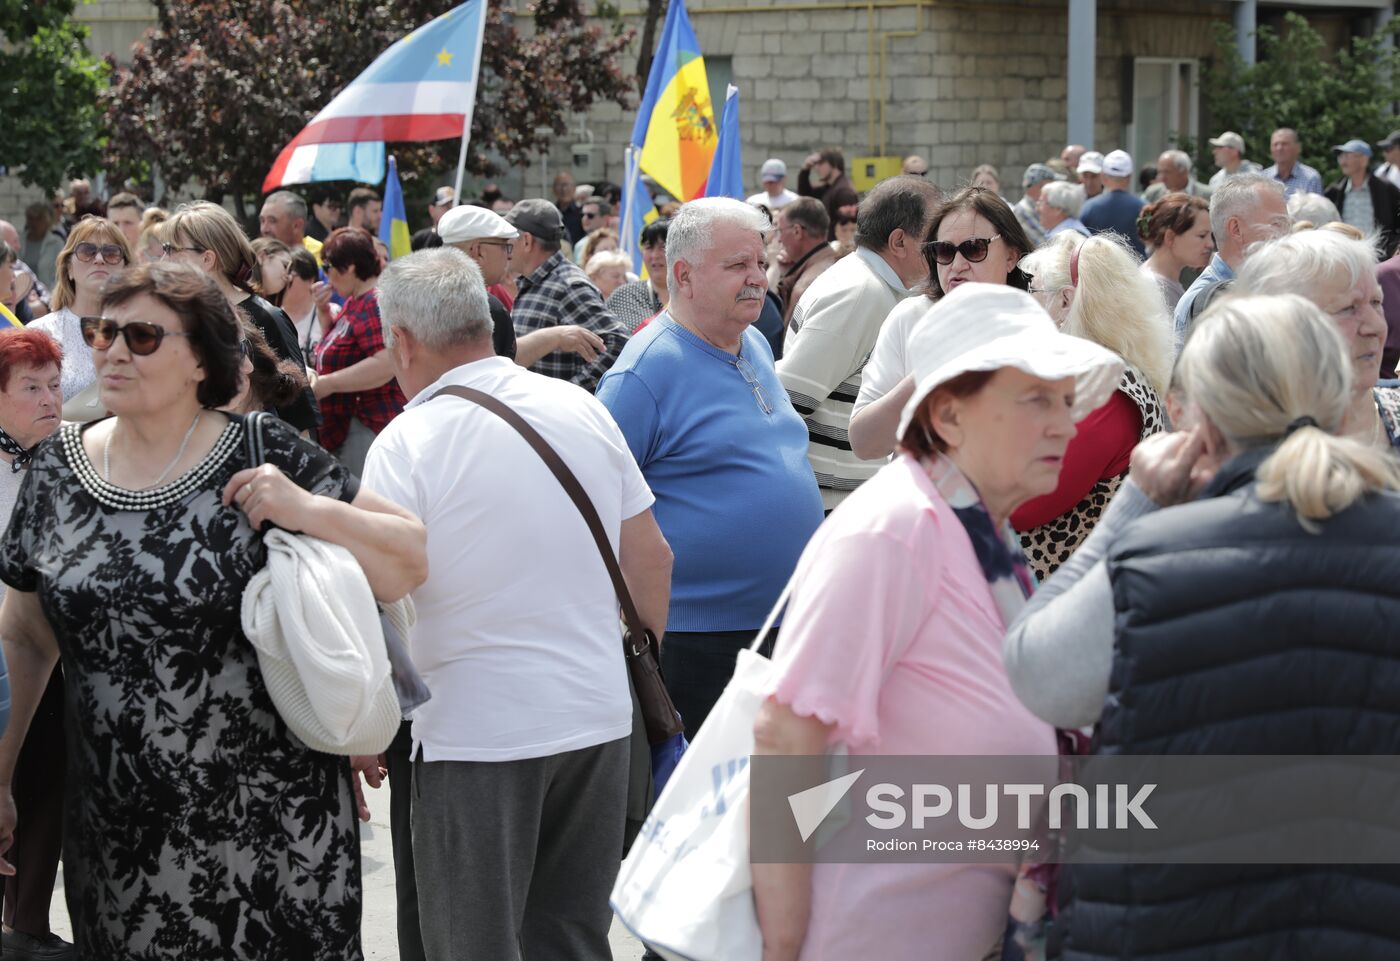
96 230
152 216
1256 366
1115 304
208 226
608 258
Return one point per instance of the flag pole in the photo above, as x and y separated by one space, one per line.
629 243
462 159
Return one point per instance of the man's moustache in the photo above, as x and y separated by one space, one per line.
750 293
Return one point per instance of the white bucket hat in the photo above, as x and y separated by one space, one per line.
989 326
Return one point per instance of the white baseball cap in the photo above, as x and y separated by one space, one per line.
1118 163
470 222
985 327
1090 163
773 169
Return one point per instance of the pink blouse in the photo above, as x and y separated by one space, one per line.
892 637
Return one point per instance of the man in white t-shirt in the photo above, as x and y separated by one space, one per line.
774 195
521 757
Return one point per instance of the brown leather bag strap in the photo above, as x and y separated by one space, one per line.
572 487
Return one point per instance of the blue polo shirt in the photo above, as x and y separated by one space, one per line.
1115 211
735 495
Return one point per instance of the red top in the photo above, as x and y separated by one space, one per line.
500 292
1099 451
356 336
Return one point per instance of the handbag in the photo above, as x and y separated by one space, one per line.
312 619
660 719
686 888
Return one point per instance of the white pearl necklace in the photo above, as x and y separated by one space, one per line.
119 498
184 443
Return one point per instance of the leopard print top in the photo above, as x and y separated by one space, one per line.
1050 545
1388 403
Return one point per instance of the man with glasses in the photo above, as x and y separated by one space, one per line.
325 217
802 228
554 292
834 328
708 421
596 215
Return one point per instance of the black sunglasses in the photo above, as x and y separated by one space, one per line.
142 338
974 251
110 253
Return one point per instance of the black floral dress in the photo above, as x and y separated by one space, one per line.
196 826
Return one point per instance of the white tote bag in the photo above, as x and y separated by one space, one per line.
686 888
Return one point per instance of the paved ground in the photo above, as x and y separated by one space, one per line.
380 939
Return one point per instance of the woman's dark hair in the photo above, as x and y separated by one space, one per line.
425 239
1003 221
921 439
1147 176
844 217
213 327
303 264
655 232
351 248
274 382
1175 212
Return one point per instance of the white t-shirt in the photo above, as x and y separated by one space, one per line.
888 363
774 204
517 635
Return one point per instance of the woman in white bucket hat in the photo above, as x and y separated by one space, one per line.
892 638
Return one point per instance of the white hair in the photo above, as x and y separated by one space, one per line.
692 228
608 258
1305 264
1115 304
1179 159
1255 365
439 295
290 201
1314 208
1063 196
1237 196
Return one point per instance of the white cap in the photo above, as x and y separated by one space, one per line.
990 326
1090 163
1228 139
772 169
1118 163
469 222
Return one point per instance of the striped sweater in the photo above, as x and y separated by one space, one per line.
829 340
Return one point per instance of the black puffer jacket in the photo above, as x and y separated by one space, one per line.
1238 632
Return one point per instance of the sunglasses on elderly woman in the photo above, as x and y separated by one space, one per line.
142 338
110 253
974 251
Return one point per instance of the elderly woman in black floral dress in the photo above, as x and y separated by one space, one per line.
196 825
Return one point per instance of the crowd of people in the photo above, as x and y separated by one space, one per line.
998 450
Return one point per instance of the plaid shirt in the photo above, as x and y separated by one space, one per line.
556 293
356 336
1301 179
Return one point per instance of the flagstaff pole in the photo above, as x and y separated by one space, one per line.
629 196
462 159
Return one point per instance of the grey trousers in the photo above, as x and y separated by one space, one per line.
515 859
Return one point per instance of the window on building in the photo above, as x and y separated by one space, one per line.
719 71
1166 106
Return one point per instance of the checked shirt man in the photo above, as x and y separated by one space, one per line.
555 291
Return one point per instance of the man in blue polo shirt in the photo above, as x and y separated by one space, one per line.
1116 210
720 445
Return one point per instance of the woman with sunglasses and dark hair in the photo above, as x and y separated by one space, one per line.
196 825
205 235
974 237
96 249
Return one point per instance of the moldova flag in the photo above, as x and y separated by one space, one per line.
421 88
675 126
393 224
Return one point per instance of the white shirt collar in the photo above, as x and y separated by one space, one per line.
881 269
458 377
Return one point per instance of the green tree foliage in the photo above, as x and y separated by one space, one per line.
1295 84
220 86
50 124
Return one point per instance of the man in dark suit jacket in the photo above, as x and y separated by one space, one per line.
823 176
1374 203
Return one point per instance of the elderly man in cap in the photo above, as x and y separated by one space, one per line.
1228 151
1033 181
720 445
1116 209
520 759
774 195
1390 170
1174 170
555 292
1090 171
441 203
1368 203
